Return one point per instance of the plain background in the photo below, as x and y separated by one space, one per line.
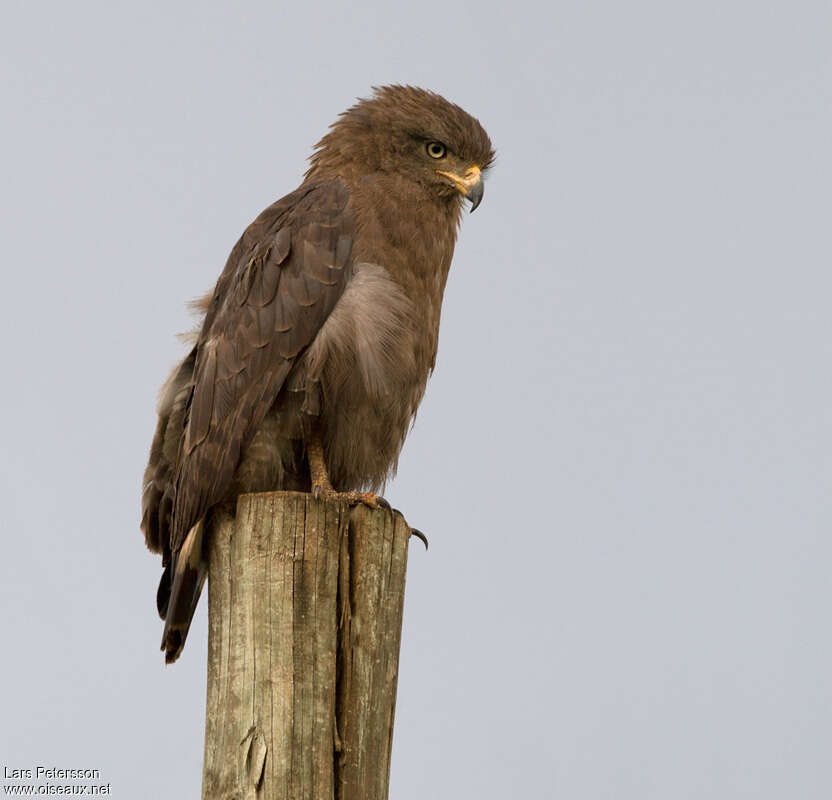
622 460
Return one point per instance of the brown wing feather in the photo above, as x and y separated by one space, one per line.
157 491
266 310
282 280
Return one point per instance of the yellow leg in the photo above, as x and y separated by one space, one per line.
322 488
317 465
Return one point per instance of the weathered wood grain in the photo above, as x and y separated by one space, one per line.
305 614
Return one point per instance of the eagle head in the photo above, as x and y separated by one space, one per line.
409 133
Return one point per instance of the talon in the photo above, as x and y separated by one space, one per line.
368 499
419 535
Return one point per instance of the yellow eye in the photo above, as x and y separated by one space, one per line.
436 149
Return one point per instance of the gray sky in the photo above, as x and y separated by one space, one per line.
622 460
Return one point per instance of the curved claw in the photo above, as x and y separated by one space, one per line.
419 535
382 503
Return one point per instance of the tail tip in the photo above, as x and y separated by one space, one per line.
173 642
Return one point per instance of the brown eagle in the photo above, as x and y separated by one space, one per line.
320 334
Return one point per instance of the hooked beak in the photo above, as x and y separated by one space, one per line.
469 184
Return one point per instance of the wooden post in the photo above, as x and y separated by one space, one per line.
305 603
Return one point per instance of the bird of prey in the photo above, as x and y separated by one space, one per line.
320 334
